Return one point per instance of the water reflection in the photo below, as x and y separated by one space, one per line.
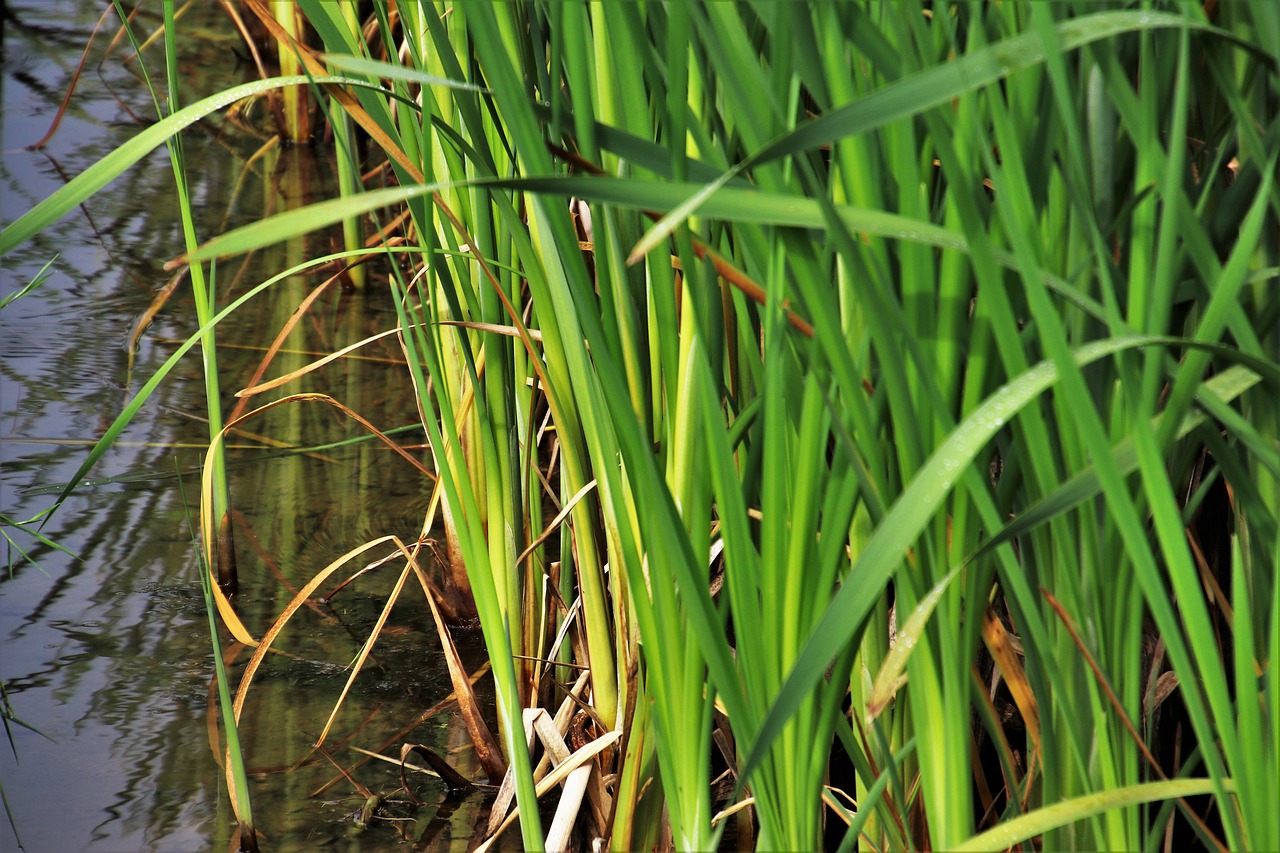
107 653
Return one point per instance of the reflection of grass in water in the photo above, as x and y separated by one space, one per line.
262 455
122 700
9 718
29 528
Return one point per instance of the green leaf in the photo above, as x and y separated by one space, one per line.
304 220
1219 389
891 678
1027 826
389 71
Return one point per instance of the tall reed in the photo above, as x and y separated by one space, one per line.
206 305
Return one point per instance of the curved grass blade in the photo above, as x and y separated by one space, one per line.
389 71
38 279
662 229
1040 821
7 522
746 205
727 202
97 176
295 223
237 777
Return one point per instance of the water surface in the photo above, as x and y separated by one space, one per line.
107 652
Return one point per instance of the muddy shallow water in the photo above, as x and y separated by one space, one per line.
107 652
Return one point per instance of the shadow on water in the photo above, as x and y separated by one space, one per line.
107 653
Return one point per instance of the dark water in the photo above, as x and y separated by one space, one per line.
107 652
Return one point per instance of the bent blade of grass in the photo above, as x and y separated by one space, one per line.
742 205
299 599
732 203
390 71
662 229
237 777
303 595
1040 821
208 524
745 205
366 648
7 522
97 176
303 220
904 523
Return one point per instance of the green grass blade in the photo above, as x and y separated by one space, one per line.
392 71
1040 821
97 176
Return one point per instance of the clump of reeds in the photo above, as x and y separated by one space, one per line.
892 457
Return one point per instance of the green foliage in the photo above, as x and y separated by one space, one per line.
933 421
